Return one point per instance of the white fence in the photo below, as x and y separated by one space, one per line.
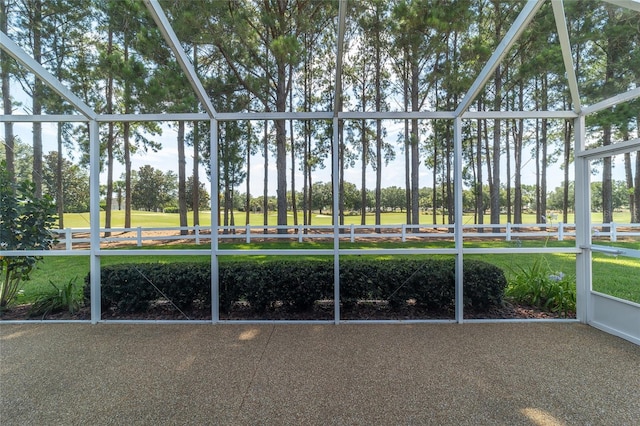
79 237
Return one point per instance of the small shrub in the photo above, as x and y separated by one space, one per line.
297 284
539 286
62 298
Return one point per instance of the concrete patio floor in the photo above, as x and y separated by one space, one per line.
157 374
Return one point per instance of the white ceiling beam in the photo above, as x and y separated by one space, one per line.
122 118
53 118
524 115
170 37
565 45
32 65
609 150
231 116
629 4
613 101
316 115
521 22
396 115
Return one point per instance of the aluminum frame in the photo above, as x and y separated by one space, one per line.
578 114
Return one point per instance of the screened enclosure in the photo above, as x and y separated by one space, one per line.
461 131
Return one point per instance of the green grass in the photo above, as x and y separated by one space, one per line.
159 220
617 276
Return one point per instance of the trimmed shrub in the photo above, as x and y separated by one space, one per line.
297 284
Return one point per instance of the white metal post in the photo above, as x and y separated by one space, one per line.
94 220
335 160
459 242
583 223
335 170
215 270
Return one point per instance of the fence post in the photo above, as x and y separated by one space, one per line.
67 239
614 236
508 231
560 231
139 236
353 236
197 232
248 233
404 232
299 233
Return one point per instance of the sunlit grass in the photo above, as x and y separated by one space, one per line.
617 276
154 219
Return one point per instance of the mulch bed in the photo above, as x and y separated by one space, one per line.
369 310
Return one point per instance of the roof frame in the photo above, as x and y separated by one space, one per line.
563 37
17 53
157 13
172 39
628 4
514 33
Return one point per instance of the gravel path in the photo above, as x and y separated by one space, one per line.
123 374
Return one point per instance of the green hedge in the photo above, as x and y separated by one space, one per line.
298 284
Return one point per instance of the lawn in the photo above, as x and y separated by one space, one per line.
161 220
617 276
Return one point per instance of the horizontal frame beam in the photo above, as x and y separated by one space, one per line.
317 115
629 4
518 27
121 118
17 53
532 115
614 149
171 38
565 45
613 101
54 118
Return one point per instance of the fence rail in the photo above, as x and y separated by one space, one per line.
78 238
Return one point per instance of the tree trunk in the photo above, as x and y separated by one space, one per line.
248 190
607 181
294 206
415 150
182 179
495 186
488 159
265 192
378 86
407 170
479 183
196 174
59 183
281 147
508 154
568 131
629 180
545 143
363 173
517 154
6 95
37 99
110 139
636 190
196 157
126 144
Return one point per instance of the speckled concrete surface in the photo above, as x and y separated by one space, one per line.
529 374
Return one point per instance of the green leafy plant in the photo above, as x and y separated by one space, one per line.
65 297
537 285
24 225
